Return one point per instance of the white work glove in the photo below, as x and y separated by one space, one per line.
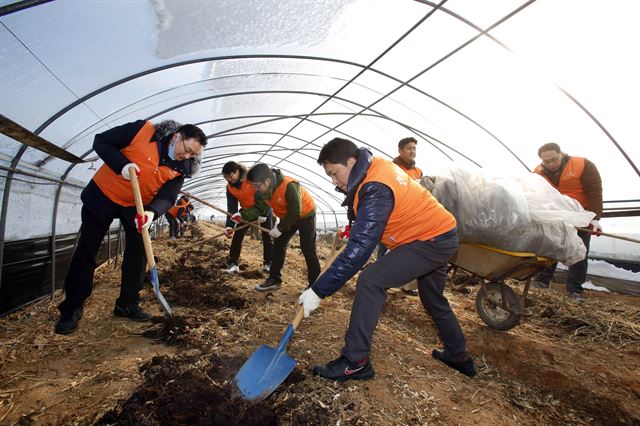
309 301
275 232
236 217
125 170
228 232
143 221
595 228
262 219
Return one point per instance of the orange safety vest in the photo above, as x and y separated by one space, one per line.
173 211
416 214
278 201
414 173
569 183
152 176
244 194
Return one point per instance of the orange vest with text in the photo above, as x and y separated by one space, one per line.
244 194
416 214
569 183
152 176
278 202
414 173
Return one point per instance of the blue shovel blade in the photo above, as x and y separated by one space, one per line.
156 290
265 370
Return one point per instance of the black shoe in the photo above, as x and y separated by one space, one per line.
68 322
133 312
464 365
269 285
342 369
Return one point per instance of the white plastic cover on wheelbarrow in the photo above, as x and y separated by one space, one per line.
520 213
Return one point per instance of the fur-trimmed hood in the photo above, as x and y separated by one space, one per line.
164 132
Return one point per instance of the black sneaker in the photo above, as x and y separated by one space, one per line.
464 365
68 322
342 369
269 285
133 312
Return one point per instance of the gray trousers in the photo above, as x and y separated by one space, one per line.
425 261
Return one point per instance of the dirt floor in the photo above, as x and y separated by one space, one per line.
566 364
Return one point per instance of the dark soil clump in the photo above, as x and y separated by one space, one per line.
251 274
173 393
172 332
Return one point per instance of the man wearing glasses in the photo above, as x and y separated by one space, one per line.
579 179
162 155
295 208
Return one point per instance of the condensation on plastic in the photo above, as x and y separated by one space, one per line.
521 213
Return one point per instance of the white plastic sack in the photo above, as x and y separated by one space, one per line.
521 213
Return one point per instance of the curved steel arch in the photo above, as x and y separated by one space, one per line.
297 92
9 177
108 116
197 180
425 136
216 177
307 184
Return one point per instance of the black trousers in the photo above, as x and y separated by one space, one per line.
307 229
577 272
78 284
425 261
238 236
174 230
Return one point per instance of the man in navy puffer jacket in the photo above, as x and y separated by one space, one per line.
384 204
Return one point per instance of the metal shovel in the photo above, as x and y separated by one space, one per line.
268 367
147 246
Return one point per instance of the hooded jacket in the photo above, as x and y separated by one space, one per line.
375 204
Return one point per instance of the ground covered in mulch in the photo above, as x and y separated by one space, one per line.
566 364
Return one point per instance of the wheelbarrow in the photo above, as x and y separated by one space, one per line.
497 304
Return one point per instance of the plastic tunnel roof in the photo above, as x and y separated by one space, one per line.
482 84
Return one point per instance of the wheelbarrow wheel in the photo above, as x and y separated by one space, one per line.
489 306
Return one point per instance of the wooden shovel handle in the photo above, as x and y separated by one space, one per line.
140 209
224 211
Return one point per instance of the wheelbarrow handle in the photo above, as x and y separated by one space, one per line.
619 237
224 211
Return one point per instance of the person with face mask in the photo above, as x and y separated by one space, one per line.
162 155
384 204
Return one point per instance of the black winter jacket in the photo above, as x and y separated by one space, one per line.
108 145
375 205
